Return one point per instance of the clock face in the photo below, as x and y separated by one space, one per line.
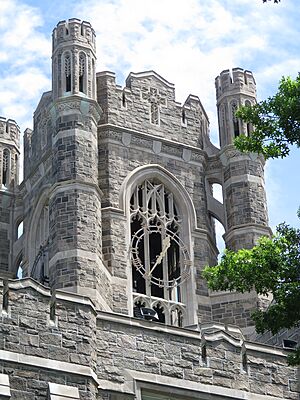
160 256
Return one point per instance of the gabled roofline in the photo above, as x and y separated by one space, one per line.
146 74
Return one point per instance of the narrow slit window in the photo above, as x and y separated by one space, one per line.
123 99
154 113
183 117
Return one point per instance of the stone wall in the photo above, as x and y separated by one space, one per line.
59 338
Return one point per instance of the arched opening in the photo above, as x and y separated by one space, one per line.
5 169
217 192
67 72
40 247
235 121
82 71
19 267
161 217
219 232
157 258
248 124
19 229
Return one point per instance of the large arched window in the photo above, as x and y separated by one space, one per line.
159 258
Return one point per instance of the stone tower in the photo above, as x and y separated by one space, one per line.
9 173
243 174
118 214
63 211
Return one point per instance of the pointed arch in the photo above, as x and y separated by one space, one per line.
37 239
67 72
140 174
82 72
234 119
161 217
6 167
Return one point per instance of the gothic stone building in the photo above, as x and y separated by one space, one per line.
118 212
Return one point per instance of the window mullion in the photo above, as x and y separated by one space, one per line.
147 259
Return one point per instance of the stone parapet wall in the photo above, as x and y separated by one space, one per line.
130 107
59 338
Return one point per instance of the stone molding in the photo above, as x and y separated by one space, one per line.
62 392
149 136
46 363
4 387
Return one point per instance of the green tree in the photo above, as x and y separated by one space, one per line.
276 122
273 266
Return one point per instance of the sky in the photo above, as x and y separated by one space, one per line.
187 42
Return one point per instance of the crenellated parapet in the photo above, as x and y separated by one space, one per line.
235 81
73 59
147 104
9 131
73 30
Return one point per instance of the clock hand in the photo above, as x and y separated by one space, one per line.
165 246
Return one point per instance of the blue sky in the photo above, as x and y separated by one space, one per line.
187 42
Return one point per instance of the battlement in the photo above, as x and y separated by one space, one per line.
73 30
236 80
9 130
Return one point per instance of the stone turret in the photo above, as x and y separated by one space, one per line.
233 90
73 59
74 201
243 174
9 174
9 153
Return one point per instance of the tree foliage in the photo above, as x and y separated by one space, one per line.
271 267
276 122
275 1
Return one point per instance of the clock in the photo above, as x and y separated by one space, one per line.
160 256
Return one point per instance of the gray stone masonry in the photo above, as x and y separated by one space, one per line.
61 339
67 329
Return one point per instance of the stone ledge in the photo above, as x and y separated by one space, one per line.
141 380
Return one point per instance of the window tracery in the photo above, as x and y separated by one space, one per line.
5 168
158 255
68 72
81 72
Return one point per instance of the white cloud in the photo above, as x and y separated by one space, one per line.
189 43
24 51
